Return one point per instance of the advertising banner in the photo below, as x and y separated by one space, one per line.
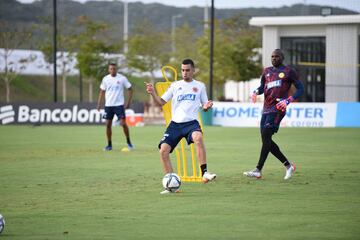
231 114
297 114
59 113
348 114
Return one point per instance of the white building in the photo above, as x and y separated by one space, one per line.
324 50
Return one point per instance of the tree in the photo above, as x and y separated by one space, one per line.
235 55
246 59
222 64
11 39
64 58
246 40
185 48
91 49
148 50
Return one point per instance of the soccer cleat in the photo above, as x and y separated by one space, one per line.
208 176
168 191
108 148
290 171
256 173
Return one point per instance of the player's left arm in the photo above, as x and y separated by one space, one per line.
283 103
129 98
130 91
259 90
100 98
299 89
206 104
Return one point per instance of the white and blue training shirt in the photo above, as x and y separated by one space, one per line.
187 98
114 89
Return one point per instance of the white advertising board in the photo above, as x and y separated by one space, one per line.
297 115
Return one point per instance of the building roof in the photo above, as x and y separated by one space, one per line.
305 20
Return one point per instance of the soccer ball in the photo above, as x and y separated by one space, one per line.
2 223
171 182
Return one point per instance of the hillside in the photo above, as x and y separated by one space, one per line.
33 16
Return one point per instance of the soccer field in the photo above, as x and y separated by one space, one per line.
57 183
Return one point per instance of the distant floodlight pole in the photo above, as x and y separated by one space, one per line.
206 16
80 86
173 28
125 26
55 48
211 49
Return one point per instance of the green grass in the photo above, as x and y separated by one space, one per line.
57 183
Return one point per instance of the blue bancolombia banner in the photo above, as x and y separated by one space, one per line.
50 113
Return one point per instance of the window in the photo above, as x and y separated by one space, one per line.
307 56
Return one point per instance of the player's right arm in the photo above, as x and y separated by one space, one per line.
150 89
101 96
259 90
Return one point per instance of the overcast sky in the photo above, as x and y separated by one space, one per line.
348 4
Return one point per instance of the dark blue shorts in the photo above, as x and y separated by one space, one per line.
176 131
271 120
111 111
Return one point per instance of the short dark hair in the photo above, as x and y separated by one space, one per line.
280 52
188 61
112 64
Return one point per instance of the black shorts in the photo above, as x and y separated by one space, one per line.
176 131
111 111
271 120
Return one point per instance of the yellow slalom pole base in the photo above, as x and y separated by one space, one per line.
190 179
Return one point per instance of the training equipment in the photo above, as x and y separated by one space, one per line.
171 182
2 223
129 148
253 173
290 171
187 168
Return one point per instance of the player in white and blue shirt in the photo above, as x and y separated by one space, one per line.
187 97
112 86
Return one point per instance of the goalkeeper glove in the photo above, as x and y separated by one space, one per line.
282 104
254 96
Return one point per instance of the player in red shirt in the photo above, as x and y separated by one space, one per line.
275 85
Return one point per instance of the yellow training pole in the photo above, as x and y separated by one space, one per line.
181 158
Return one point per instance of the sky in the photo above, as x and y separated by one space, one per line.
347 4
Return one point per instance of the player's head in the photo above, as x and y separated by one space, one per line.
187 69
112 69
277 57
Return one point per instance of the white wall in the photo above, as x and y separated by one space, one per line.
241 91
270 41
342 49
